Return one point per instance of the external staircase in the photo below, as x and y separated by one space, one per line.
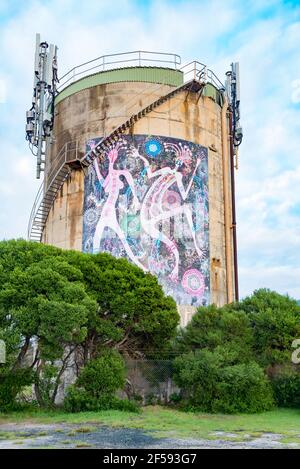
68 157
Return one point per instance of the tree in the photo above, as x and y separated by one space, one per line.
104 375
44 307
133 316
214 328
216 370
275 321
95 389
57 306
210 384
235 349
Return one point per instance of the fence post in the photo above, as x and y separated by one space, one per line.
205 74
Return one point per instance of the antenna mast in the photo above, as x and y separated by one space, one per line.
40 117
233 93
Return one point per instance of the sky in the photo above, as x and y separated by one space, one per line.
263 35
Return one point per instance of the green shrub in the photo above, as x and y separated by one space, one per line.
175 398
11 384
243 388
103 375
97 384
79 400
210 385
213 327
286 386
275 321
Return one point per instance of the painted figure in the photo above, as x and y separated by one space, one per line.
148 201
112 185
156 206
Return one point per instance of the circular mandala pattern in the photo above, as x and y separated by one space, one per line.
171 199
91 216
193 282
153 147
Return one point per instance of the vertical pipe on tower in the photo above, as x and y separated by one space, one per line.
227 218
234 237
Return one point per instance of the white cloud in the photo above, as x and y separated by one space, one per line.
279 278
6 189
23 167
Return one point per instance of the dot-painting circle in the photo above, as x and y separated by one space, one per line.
91 216
171 199
193 282
153 147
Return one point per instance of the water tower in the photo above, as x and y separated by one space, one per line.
138 153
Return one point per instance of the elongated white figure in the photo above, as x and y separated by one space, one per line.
112 185
152 212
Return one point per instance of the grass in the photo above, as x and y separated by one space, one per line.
84 430
7 436
292 439
83 444
172 423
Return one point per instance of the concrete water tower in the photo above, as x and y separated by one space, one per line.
138 154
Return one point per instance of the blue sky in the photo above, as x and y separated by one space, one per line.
264 36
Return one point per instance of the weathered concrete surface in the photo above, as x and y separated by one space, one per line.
64 224
96 112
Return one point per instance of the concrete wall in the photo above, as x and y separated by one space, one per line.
97 111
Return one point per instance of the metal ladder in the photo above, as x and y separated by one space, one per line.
47 193
46 196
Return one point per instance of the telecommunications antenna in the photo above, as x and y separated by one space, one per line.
233 93
40 117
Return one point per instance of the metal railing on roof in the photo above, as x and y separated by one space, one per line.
198 71
192 70
122 60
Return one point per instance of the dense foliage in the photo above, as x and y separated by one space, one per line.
286 385
96 386
213 328
231 357
57 307
103 375
210 384
275 323
64 309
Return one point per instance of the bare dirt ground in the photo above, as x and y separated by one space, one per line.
15 436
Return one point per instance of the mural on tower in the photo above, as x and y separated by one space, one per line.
147 200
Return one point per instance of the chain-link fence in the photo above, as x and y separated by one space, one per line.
150 381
